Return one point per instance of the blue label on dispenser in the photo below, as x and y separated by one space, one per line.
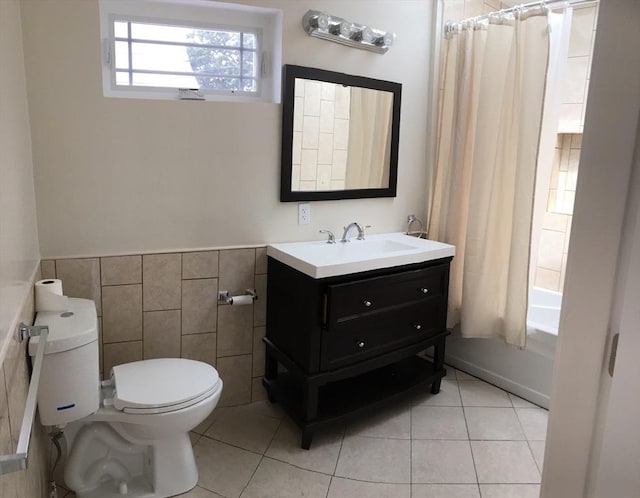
66 407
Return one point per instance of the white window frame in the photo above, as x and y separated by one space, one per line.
265 23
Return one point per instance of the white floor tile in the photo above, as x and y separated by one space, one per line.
449 395
322 457
392 423
438 422
537 448
534 422
277 479
445 491
520 403
510 490
224 469
493 423
244 428
347 488
442 462
508 462
460 375
375 460
479 393
199 492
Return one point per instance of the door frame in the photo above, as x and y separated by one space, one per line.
609 142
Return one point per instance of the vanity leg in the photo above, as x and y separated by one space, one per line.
270 367
270 373
438 364
310 401
305 441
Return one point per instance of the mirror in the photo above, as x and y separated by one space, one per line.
339 135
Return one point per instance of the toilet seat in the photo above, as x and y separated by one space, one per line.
162 385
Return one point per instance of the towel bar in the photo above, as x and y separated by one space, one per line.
18 460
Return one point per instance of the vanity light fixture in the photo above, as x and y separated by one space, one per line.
339 30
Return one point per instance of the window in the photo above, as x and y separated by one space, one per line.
155 57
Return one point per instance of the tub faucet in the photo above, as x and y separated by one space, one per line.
347 230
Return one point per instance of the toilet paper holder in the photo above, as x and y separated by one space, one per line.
226 297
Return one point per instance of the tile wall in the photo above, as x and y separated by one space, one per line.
575 83
165 305
556 226
320 136
14 385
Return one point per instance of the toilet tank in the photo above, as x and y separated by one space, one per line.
70 379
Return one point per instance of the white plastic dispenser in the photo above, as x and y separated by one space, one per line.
70 380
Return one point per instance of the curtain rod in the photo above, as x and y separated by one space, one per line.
540 3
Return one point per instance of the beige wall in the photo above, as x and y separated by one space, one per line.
18 257
128 176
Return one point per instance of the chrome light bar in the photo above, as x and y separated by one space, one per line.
339 30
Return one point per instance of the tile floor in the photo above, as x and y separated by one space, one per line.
472 440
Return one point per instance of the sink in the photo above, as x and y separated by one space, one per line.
320 260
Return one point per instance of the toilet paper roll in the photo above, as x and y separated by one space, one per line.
240 300
49 296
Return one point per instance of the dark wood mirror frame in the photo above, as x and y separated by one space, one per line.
290 73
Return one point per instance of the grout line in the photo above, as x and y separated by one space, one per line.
344 433
329 487
473 460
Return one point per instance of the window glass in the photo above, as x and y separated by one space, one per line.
160 55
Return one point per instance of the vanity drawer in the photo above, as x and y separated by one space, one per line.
355 340
348 301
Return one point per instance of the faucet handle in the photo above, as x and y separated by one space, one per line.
361 230
332 238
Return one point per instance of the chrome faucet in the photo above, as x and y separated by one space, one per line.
331 239
347 230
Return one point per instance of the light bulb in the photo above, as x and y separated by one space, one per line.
323 21
345 28
367 35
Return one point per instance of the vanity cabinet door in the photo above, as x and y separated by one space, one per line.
350 300
355 340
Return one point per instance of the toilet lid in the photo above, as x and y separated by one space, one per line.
171 383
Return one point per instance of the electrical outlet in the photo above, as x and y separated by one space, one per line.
304 213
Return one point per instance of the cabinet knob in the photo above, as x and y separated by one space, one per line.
417 326
360 344
424 290
367 304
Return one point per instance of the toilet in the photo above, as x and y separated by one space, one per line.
128 435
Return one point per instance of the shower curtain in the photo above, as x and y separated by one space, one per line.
489 132
368 157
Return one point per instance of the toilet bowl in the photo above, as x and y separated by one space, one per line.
128 435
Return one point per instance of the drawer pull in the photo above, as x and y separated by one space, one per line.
417 326
424 290
360 344
367 304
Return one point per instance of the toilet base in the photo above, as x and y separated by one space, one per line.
104 464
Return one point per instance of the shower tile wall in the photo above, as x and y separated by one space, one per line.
575 83
320 136
165 305
556 226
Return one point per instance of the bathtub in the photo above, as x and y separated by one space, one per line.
525 372
544 311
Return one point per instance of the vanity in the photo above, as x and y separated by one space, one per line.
346 321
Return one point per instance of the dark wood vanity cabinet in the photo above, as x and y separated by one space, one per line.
349 343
